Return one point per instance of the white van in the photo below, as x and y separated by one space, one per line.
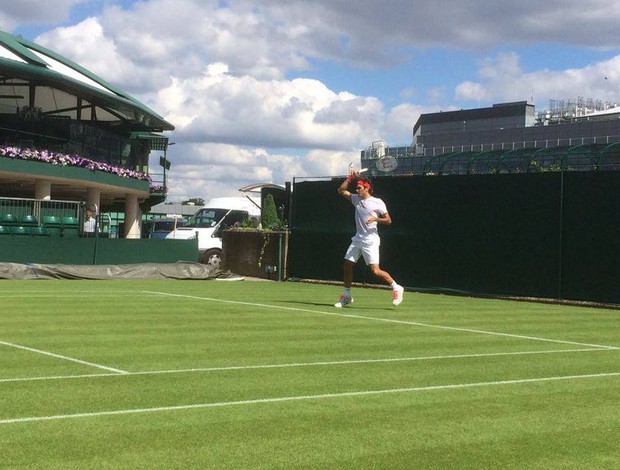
207 223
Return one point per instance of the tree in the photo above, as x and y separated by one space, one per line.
269 213
197 201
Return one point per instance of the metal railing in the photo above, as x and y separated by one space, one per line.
50 214
590 154
39 208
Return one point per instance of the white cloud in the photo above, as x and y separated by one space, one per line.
86 44
13 13
211 170
365 31
233 76
298 113
226 113
472 91
503 79
399 123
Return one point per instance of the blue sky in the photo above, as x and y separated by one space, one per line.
264 91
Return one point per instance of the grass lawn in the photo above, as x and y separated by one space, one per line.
231 375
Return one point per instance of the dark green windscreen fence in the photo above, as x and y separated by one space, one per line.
591 236
85 251
552 234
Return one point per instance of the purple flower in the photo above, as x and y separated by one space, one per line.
62 159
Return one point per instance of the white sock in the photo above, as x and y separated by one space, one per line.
347 292
394 285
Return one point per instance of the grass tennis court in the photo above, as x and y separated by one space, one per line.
231 375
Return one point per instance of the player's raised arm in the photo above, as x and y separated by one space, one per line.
343 189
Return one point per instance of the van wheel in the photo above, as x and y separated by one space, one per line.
213 258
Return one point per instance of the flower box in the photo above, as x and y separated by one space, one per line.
255 253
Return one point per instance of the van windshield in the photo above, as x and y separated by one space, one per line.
166 225
206 218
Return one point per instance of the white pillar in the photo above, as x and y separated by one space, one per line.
93 198
43 190
132 216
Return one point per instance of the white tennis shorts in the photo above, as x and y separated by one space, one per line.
370 252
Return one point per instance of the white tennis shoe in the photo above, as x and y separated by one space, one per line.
397 295
344 300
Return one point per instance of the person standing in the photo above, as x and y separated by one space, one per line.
90 223
370 211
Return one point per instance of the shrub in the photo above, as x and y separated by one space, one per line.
269 213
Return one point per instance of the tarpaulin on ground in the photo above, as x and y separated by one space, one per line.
179 270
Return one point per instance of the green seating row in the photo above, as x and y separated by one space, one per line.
24 220
51 225
65 226
23 230
30 220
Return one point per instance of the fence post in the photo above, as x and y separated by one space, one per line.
561 230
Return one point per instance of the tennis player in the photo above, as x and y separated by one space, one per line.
369 212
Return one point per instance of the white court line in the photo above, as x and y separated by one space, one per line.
69 295
299 364
54 293
304 397
60 356
386 320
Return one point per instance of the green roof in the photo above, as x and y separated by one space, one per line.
63 88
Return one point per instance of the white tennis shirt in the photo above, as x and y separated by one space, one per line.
364 209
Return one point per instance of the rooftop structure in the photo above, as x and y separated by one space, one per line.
53 110
486 139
